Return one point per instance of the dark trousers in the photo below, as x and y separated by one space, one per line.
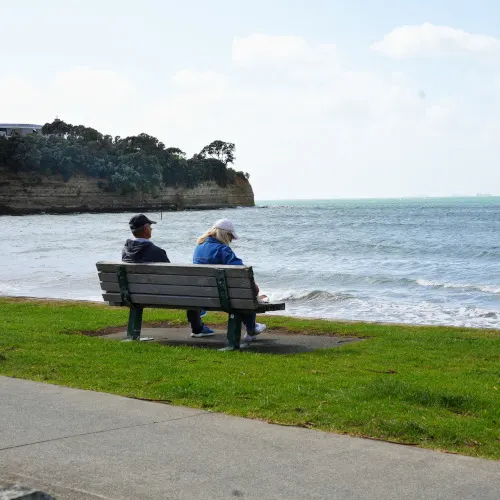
193 316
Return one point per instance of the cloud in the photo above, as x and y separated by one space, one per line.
431 40
322 138
98 98
18 98
260 50
317 128
91 84
15 90
189 79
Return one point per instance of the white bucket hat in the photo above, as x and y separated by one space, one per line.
227 225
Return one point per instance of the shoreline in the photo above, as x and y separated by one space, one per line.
138 208
274 315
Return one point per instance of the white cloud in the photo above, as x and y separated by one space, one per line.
356 131
443 112
18 99
188 79
431 40
91 84
16 90
80 95
259 49
313 130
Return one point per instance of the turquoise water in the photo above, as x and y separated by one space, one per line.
425 261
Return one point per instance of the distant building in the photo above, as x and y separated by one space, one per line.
22 129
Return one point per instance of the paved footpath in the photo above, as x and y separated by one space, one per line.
77 444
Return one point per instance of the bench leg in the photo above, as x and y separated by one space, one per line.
134 323
233 333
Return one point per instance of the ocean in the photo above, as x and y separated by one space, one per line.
432 261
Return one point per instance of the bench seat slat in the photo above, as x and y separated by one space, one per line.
176 290
270 306
173 269
262 308
168 279
180 301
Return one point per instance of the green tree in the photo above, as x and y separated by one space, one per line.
220 150
57 127
28 152
134 163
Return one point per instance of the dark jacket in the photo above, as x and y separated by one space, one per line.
212 251
141 251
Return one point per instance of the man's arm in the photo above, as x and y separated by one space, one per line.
164 256
159 255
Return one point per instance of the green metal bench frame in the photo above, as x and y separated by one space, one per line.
235 319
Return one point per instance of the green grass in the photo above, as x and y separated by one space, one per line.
434 387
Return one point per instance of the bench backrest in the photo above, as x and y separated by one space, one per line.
169 285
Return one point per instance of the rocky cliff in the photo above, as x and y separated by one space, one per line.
23 193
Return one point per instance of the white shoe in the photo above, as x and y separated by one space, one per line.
259 328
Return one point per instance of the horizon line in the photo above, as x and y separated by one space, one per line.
422 197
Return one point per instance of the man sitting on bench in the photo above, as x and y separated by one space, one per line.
142 250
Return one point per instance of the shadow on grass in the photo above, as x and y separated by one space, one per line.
404 391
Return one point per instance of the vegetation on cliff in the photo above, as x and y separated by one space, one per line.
132 164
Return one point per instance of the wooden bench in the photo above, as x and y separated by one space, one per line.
170 286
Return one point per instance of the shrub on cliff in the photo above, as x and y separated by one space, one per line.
135 163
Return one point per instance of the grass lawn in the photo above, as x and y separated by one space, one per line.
435 387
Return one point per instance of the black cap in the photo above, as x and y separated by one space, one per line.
137 221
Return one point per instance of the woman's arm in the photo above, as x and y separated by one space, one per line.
229 258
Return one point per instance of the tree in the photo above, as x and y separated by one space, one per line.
57 127
28 152
220 150
86 134
142 142
134 163
176 152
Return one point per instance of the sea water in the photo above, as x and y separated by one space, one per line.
419 261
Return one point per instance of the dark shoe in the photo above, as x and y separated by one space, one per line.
205 332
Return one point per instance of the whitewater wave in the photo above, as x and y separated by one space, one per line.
7 289
495 289
351 280
308 296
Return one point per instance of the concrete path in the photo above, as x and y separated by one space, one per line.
77 444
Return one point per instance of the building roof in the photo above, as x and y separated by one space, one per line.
20 125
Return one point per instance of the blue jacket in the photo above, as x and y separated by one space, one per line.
212 251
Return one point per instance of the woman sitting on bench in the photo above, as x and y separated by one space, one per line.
213 248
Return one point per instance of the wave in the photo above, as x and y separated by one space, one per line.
309 296
460 286
8 289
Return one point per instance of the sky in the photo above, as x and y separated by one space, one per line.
322 98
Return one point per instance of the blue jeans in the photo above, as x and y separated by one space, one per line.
194 319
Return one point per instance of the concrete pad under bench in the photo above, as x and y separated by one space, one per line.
270 341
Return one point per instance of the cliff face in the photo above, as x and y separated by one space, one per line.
23 193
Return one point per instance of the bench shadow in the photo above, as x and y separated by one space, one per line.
256 346
282 344
270 342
